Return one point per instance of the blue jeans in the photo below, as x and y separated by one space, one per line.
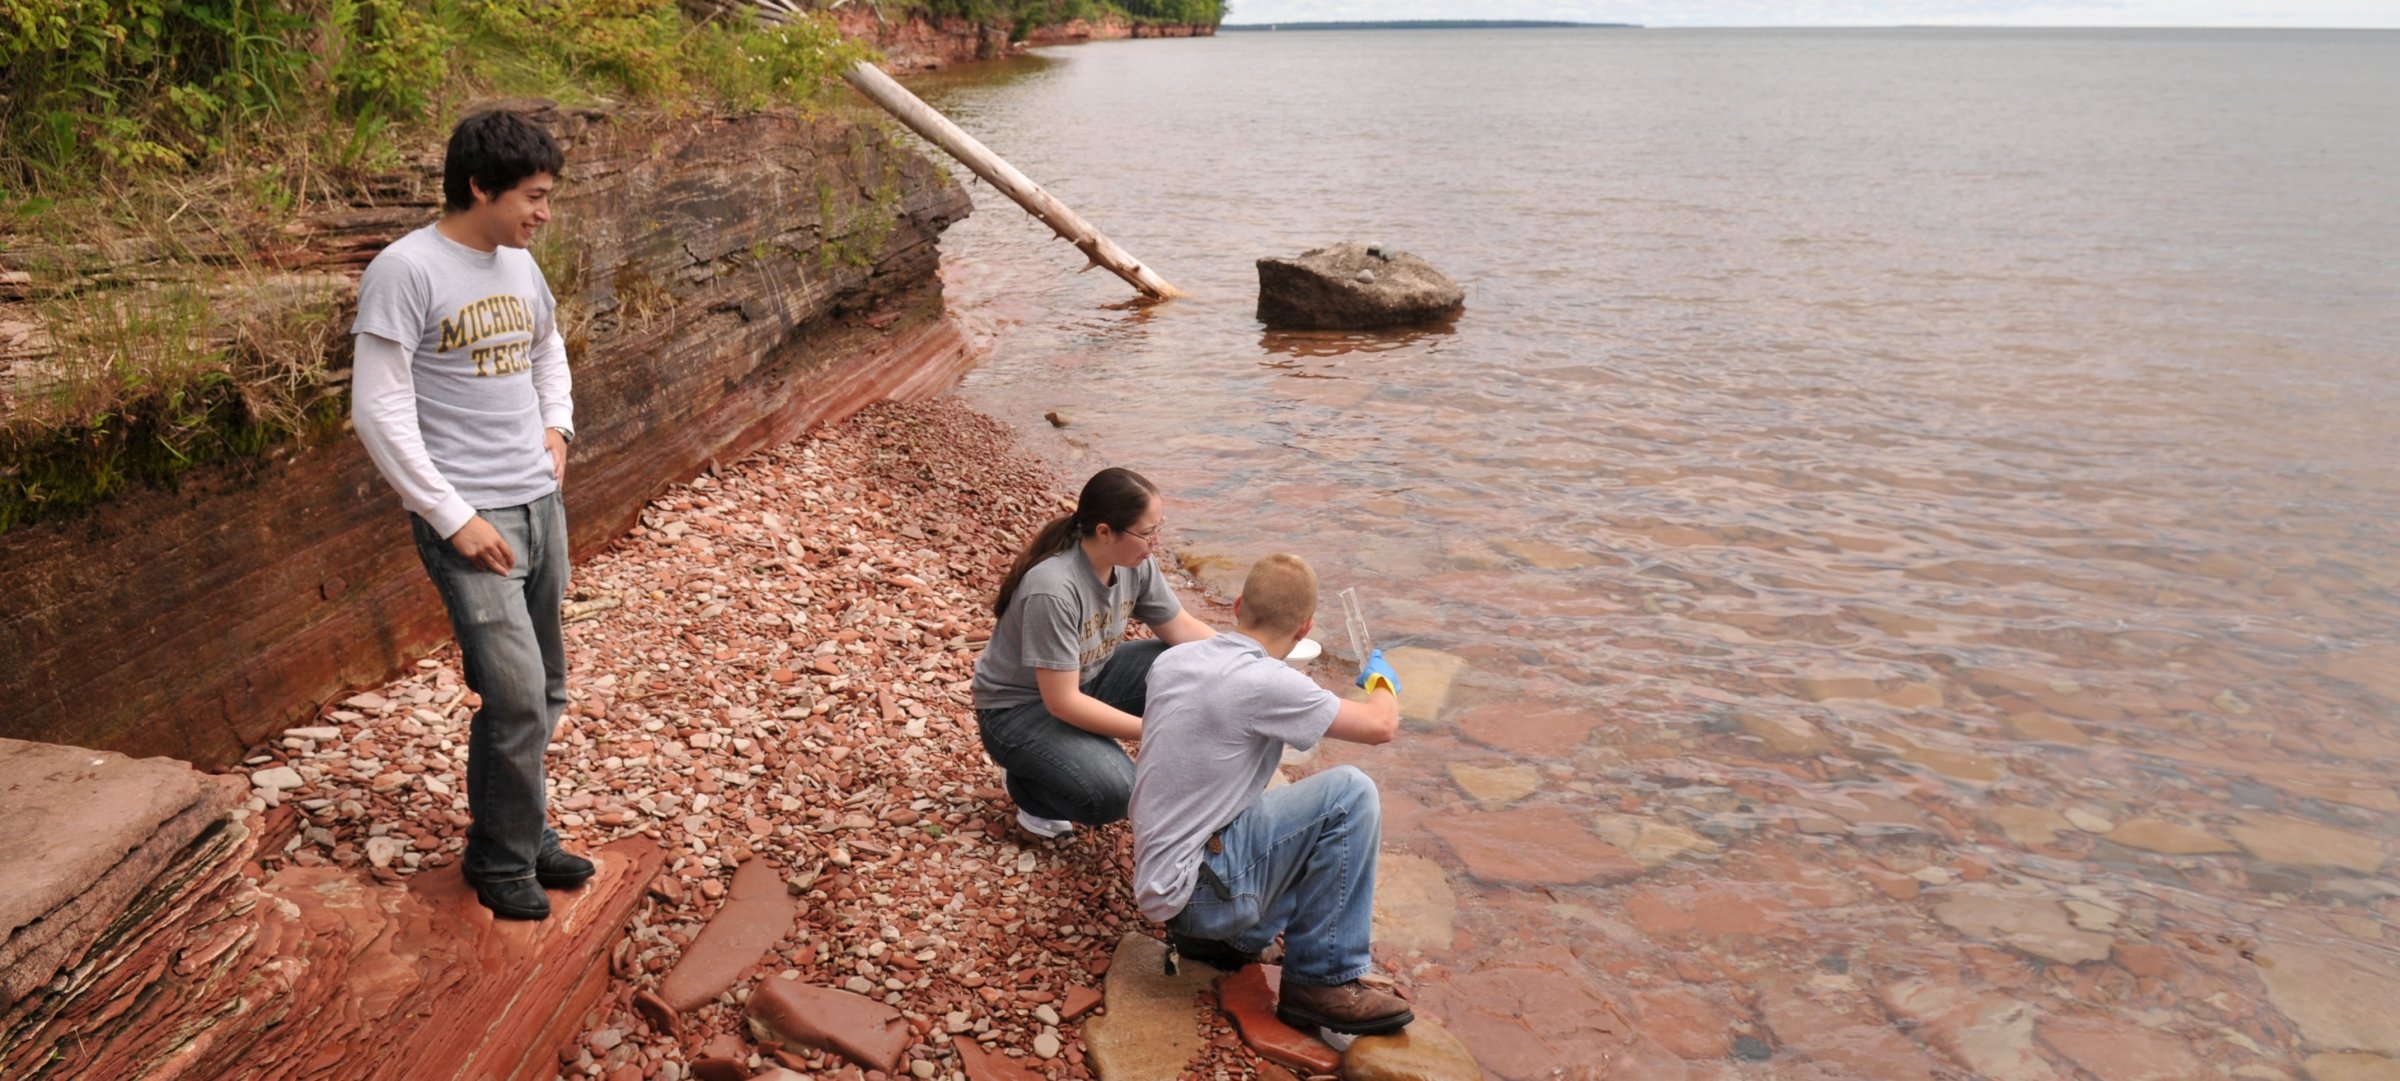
515 655
1299 863
1056 770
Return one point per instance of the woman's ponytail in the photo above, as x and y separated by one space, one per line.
1054 538
1115 497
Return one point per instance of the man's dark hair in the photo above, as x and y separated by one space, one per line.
497 149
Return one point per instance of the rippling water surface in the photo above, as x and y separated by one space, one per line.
1897 559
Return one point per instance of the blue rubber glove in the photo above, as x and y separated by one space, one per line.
1378 670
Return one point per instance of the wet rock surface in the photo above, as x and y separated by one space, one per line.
1249 997
1350 286
1149 1031
1424 1051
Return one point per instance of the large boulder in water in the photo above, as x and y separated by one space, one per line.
1350 286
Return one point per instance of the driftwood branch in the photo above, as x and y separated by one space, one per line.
1070 227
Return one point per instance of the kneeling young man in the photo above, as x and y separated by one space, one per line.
1226 864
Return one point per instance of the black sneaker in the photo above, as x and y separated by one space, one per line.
1218 955
559 869
513 899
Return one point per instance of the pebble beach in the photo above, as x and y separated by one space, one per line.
773 666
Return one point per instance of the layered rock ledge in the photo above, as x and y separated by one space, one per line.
726 283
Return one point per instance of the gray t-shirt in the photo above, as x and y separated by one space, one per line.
1219 715
1065 619
470 320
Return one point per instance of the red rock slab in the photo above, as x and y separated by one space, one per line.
1528 729
759 912
525 984
1249 998
1685 1023
1080 1001
1856 1043
982 1065
1533 846
1522 1020
720 1069
790 1014
347 978
87 832
2115 1051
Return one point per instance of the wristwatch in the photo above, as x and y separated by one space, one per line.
565 435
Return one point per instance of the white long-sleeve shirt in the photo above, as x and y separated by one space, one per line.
460 368
383 407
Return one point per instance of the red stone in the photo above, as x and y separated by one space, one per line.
1658 914
1080 1001
654 1010
2113 1050
1542 845
792 1015
720 1069
1531 730
741 932
1248 997
2144 959
1684 1023
1524 1020
1728 912
1857 1044
982 1065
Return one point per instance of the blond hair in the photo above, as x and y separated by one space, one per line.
1279 595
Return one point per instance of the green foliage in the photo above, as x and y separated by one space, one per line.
1178 12
126 89
139 83
142 394
385 58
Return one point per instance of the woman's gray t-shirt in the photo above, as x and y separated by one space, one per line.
1064 618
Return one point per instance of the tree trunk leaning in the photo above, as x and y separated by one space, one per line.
1070 227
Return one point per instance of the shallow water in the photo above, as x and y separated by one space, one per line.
1928 496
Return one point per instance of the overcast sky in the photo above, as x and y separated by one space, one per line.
2298 13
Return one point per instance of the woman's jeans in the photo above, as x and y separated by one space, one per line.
515 655
1299 863
1056 770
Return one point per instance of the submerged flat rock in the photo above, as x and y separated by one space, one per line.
2028 924
2339 999
1533 846
1415 908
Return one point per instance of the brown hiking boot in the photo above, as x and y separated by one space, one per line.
1351 1007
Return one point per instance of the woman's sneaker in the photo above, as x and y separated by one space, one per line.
1353 1007
1045 828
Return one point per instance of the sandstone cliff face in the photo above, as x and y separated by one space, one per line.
727 282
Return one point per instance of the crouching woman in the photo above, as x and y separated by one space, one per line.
1058 686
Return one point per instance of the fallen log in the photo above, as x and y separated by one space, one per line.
954 140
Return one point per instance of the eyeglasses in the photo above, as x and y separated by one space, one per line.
1150 537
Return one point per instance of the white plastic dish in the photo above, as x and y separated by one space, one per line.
1303 653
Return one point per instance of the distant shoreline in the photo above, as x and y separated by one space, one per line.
1428 24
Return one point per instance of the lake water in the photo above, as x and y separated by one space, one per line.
1897 559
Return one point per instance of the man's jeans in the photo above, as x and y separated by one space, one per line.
508 634
1299 863
1056 770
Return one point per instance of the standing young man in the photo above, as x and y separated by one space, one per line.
460 392
1227 864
